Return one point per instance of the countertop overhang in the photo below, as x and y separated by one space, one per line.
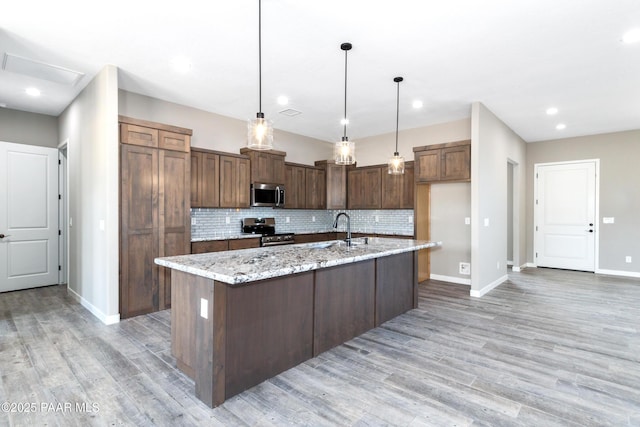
248 265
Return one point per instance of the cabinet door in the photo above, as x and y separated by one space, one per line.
294 184
196 179
261 167
139 230
174 219
392 186
355 187
210 180
408 187
456 163
428 165
315 192
277 169
138 135
246 243
243 183
336 186
372 182
228 182
174 141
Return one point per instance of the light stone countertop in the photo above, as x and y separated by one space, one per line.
225 236
248 265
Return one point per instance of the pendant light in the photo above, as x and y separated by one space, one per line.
396 163
260 134
344 151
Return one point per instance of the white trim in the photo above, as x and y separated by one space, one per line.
489 287
619 273
107 320
450 279
517 269
531 265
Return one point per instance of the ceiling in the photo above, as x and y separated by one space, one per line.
517 57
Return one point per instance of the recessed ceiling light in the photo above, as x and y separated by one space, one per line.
181 64
632 36
283 100
32 91
561 126
417 104
344 121
551 111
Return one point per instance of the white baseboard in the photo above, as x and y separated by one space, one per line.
107 320
451 279
509 262
519 269
531 265
618 273
487 288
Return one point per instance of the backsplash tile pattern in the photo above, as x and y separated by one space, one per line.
212 223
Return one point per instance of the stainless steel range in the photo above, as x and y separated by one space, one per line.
266 227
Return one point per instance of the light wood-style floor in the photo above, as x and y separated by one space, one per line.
546 348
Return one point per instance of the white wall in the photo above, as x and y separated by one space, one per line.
493 146
90 124
216 132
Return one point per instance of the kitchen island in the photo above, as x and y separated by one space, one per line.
241 317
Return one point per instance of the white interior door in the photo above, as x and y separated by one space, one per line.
565 215
28 216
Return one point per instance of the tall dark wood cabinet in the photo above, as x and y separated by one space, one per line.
154 211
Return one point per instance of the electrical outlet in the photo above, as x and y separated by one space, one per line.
204 308
464 268
287 220
313 218
377 218
498 266
193 221
410 219
627 259
227 220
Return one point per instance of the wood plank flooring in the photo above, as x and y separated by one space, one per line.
546 348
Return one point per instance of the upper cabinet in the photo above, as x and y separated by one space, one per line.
267 166
234 181
305 186
205 179
397 190
315 192
443 162
335 184
365 187
146 134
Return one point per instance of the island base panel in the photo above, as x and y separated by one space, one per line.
395 286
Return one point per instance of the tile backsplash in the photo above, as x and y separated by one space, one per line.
217 223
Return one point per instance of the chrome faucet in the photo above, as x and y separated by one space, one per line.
335 225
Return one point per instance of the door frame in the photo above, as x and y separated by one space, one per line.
63 212
596 223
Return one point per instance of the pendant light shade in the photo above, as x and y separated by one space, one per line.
396 163
344 151
260 130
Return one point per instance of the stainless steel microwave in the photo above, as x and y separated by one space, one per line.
267 195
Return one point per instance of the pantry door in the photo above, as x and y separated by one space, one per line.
28 216
565 215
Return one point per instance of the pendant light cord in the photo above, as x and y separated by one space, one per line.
344 138
260 56
397 116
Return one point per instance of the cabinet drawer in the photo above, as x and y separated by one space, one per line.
138 135
209 246
244 243
174 141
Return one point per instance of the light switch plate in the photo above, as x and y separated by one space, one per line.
467 221
608 220
486 222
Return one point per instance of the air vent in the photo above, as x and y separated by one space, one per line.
290 112
40 70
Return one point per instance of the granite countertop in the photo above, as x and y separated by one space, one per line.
248 265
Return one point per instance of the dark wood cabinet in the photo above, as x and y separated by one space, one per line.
205 246
155 218
245 243
205 179
267 166
364 185
443 162
336 184
397 190
295 184
315 192
234 181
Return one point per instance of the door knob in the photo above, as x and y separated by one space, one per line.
590 224
590 231
2 236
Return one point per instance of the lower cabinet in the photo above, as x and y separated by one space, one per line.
205 246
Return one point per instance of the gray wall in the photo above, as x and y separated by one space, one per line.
493 146
28 128
217 132
619 155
